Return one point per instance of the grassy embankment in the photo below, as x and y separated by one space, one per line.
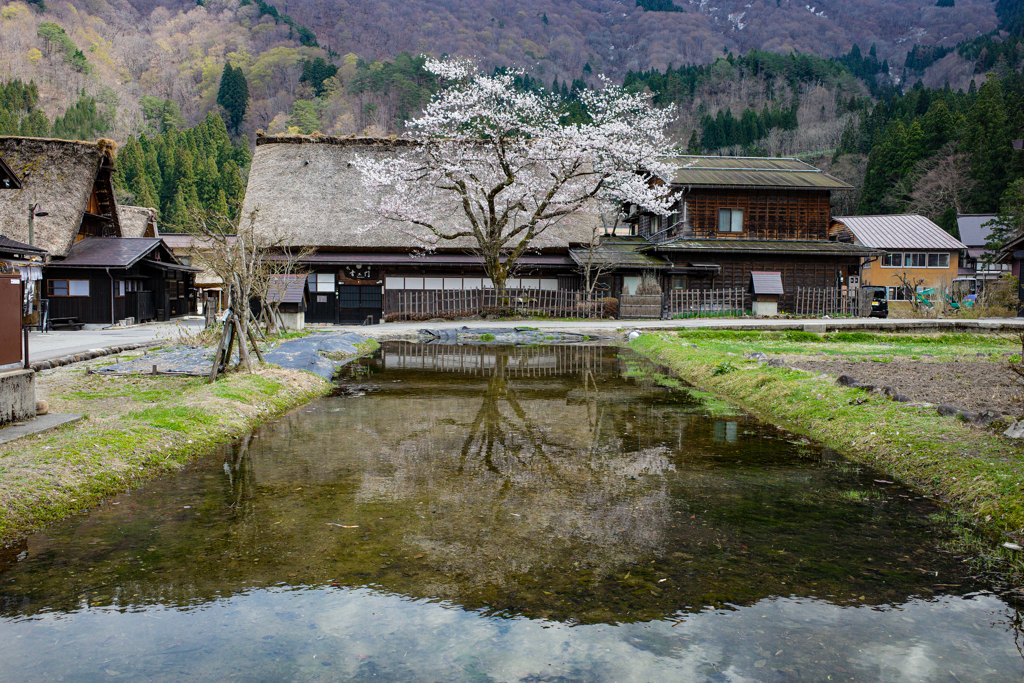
134 428
976 470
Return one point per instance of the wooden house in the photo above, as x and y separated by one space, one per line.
911 246
738 215
309 194
102 266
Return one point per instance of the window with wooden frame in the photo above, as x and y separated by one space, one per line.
58 288
892 261
122 287
321 282
730 220
679 282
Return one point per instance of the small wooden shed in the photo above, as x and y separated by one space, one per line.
290 291
765 290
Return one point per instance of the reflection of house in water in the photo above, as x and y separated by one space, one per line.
497 360
725 431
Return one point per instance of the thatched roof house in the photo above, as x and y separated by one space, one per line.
309 193
137 221
71 183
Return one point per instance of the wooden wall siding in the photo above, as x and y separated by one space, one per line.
767 214
797 271
93 309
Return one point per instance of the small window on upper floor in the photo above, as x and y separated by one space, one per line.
730 220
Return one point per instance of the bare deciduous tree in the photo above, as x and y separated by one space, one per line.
245 261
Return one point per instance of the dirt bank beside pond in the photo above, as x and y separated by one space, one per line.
134 428
971 385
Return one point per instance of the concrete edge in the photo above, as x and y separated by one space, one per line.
90 354
42 423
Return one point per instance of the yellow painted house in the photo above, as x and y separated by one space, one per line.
913 246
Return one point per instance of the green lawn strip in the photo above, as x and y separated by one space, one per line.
854 345
133 430
977 471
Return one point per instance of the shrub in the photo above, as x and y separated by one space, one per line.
610 307
648 285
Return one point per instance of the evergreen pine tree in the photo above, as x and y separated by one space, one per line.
233 95
987 143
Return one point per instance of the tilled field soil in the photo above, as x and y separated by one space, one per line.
968 384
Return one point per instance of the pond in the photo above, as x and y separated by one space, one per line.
482 513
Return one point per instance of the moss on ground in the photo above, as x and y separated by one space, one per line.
977 471
135 427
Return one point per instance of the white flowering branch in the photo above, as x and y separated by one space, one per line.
494 168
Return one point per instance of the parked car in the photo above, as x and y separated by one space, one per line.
879 302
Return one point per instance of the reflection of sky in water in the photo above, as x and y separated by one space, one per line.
558 493
311 635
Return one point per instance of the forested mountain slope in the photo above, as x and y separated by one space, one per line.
120 51
832 81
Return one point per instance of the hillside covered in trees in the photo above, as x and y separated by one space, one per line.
183 85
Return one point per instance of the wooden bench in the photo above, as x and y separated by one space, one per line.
65 324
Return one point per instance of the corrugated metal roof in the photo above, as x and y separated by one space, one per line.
778 173
620 252
820 247
766 282
971 231
903 231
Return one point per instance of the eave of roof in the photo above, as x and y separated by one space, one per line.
734 246
9 246
620 252
413 259
752 173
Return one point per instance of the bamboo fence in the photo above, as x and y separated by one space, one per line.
833 301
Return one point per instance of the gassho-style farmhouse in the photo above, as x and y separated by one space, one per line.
758 233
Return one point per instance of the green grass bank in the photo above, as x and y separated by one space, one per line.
976 470
134 428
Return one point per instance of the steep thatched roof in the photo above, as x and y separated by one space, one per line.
309 193
137 221
60 175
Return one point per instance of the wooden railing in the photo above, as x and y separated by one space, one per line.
706 303
818 301
421 304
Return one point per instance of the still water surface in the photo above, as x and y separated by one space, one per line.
503 514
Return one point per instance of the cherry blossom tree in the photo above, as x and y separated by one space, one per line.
493 168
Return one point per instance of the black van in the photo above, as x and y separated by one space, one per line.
879 302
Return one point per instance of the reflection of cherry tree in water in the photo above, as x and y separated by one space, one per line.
544 500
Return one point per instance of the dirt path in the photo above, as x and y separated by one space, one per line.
973 385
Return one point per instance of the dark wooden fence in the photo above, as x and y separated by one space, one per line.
818 301
421 304
707 303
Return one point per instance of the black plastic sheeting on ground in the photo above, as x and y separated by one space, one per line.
305 353
517 336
